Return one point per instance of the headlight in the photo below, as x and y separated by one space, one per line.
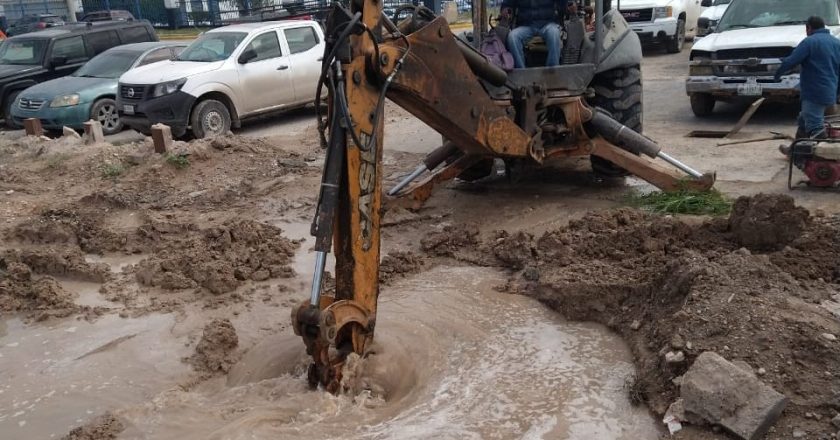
168 88
663 12
65 100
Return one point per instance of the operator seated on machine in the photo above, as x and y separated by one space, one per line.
535 17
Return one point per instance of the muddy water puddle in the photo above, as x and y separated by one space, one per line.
453 360
53 377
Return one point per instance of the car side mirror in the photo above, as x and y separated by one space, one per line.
58 61
247 56
706 3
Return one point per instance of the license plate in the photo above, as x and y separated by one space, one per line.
128 109
749 89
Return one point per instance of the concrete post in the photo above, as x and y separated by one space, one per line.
162 138
93 132
71 10
33 127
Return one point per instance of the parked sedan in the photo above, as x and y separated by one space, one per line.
90 92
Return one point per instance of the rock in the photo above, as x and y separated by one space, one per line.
531 273
635 325
836 421
717 391
798 433
672 357
69 132
762 371
828 337
677 342
674 417
744 366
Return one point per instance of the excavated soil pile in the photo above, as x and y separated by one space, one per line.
215 352
748 288
104 427
27 283
220 258
399 264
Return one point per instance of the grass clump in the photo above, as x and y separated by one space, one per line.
177 161
56 161
684 201
112 170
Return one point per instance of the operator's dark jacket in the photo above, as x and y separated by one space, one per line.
819 55
537 13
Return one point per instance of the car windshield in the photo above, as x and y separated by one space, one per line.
108 65
762 13
27 52
212 46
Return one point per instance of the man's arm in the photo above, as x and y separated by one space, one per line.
796 58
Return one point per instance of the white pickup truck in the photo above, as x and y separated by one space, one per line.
665 21
740 58
225 76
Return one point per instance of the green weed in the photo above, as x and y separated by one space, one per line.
112 170
685 201
177 161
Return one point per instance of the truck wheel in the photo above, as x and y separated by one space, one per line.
210 118
7 107
702 104
675 43
619 93
105 111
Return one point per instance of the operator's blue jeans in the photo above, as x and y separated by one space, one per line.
812 117
520 35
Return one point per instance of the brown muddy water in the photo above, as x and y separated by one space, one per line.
453 359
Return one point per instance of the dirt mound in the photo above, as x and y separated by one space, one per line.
220 258
70 226
20 291
61 262
399 264
104 427
766 221
449 240
674 290
216 349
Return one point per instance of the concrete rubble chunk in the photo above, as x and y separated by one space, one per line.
69 132
719 392
93 132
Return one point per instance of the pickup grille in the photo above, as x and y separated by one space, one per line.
31 104
761 52
132 92
637 15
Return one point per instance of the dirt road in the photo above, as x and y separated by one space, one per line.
149 298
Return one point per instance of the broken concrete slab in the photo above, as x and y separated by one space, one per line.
719 392
162 138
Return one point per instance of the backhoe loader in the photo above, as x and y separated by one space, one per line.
588 106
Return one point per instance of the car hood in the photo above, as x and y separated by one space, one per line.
642 4
714 12
168 71
70 84
14 69
770 36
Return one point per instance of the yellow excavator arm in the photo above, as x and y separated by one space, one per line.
423 67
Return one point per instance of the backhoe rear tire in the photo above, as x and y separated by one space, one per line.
619 93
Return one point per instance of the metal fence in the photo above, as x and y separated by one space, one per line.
200 13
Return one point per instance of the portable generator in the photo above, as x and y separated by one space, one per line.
819 159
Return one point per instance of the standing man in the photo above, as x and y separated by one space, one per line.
535 17
819 56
